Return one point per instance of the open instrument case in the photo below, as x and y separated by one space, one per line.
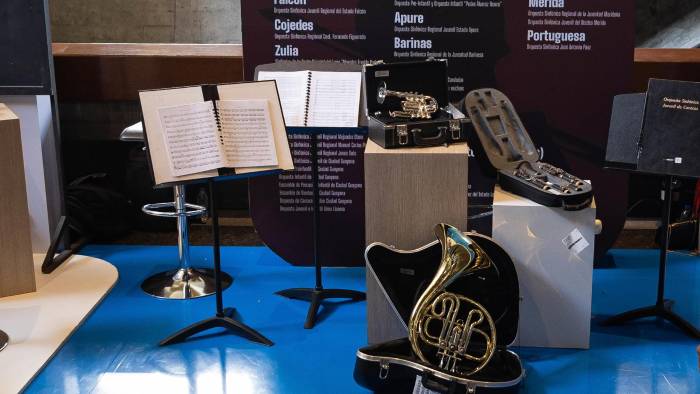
419 78
510 150
393 367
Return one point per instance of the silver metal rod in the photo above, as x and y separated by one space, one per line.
183 242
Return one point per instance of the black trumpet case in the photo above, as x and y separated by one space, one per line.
510 150
393 367
427 78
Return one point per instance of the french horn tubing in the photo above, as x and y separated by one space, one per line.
447 330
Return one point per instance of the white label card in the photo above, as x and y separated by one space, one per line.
575 241
418 388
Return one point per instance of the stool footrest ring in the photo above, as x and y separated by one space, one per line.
192 210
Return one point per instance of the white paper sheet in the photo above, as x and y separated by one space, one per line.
191 136
246 133
334 99
292 92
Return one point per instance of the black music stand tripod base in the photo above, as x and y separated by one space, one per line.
660 311
225 321
224 317
316 296
662 308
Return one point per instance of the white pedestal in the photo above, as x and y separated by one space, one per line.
40 165
555 281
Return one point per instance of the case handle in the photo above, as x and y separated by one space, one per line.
439 139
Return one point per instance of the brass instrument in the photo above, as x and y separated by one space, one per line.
413 105
444 325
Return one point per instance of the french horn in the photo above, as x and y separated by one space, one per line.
413 105
447 330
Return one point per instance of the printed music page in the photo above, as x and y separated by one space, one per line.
151 102
192 138
266 91
334 99
246 133
292 91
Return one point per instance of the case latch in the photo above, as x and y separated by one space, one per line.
402 132
383 370
455 129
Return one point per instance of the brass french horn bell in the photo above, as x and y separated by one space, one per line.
447 330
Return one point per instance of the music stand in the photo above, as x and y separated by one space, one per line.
626 126
224 317
662 307
318 293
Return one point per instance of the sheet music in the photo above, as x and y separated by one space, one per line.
292 92
247 134
334 99
191 137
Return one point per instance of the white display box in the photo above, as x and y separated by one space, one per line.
555 278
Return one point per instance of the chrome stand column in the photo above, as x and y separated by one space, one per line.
185 282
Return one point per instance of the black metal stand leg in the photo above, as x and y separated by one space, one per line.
317 294
662 308
54 258
224 316
226 322
4 340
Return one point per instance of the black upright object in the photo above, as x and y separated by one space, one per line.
54 258
317 294
4 340
224 317
662 307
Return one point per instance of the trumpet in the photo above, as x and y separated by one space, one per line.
413 105
448 330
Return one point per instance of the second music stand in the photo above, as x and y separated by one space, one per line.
318 293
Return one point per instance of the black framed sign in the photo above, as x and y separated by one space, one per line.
26 62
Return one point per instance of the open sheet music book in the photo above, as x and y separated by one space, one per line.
318 98
205 131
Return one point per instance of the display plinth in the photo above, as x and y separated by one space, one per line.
555 276
16 264
409 190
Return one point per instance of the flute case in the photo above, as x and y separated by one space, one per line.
427 77
392 367
512 153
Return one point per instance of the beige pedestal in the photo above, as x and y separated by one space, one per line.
410 190
16 265
407 192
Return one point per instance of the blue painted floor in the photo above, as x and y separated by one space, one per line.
115 350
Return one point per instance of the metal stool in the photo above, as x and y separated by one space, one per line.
4 339
184 282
